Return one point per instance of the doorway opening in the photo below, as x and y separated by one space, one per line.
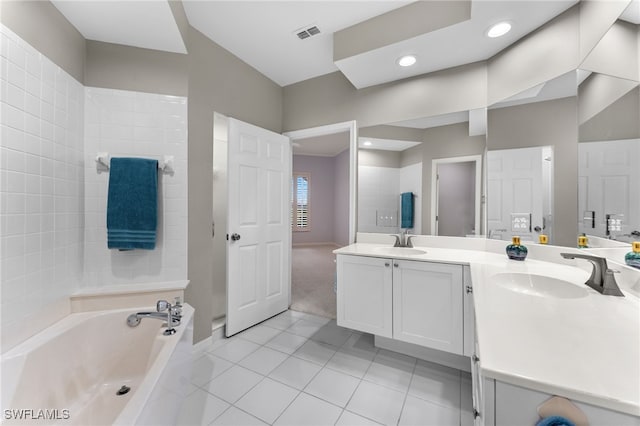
322 213
456 196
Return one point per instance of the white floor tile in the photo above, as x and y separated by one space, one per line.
333 386
235 350
377 403
361 344
316 352
295 372
431 385
315 318
420 412
233 383
207 367
332 334
294 314
267 400
264 360
200 408
307 410
350 363
395 376
260 334
236 417
281 322
394 359
351 419
286 342
305 328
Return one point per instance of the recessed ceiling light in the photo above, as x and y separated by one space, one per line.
366 143
499 29
407 61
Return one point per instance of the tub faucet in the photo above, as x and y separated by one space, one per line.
601 279
171 316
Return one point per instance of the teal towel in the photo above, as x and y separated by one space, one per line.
406 208
555 421
132 204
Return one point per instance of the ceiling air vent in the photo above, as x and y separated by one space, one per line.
307 32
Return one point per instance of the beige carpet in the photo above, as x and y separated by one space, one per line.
312 276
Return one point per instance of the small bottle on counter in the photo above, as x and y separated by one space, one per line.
543 239
633 257
515 250
583 241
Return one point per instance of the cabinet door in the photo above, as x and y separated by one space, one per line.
427 304
364 294
469 324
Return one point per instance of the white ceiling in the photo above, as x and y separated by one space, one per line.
263 33
147 24
386 144
455 45
322 146
434 121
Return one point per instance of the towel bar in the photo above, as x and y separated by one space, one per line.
166 165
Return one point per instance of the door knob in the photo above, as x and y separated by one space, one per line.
235 237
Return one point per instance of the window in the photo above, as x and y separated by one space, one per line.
300 202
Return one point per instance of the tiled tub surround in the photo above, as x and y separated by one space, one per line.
581 333
53 199
42 189
300 369
51 371
134 124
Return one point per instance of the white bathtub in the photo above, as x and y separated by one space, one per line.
73 369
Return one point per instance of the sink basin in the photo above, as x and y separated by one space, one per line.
400 251
539 286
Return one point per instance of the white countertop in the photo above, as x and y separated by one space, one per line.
586 349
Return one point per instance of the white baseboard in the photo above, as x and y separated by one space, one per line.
316 244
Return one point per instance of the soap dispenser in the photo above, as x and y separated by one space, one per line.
583 241
633 257
515 250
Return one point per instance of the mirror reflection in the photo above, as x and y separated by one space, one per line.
438 159
608 158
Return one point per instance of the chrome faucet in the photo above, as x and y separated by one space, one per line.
601 279
172 316
403 239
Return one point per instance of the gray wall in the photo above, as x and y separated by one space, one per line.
41 25
115 66
621 120
379 158
539 124
322 200
443 142
456 182
341 199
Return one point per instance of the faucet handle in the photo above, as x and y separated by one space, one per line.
162 305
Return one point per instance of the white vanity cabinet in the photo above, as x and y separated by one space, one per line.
364 293
422 303
428 304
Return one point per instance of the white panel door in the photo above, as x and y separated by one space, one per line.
515 185
609 184
427 304
259 234
364 294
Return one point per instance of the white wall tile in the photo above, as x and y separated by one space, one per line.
126 123
29 232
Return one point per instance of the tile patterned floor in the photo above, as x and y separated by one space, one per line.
300 369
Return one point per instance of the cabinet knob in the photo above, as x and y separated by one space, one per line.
387 264
475 358
395 265
469 289
476 413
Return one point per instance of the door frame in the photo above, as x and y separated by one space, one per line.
329 129
478 188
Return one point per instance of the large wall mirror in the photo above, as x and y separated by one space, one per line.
579 134
438 159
